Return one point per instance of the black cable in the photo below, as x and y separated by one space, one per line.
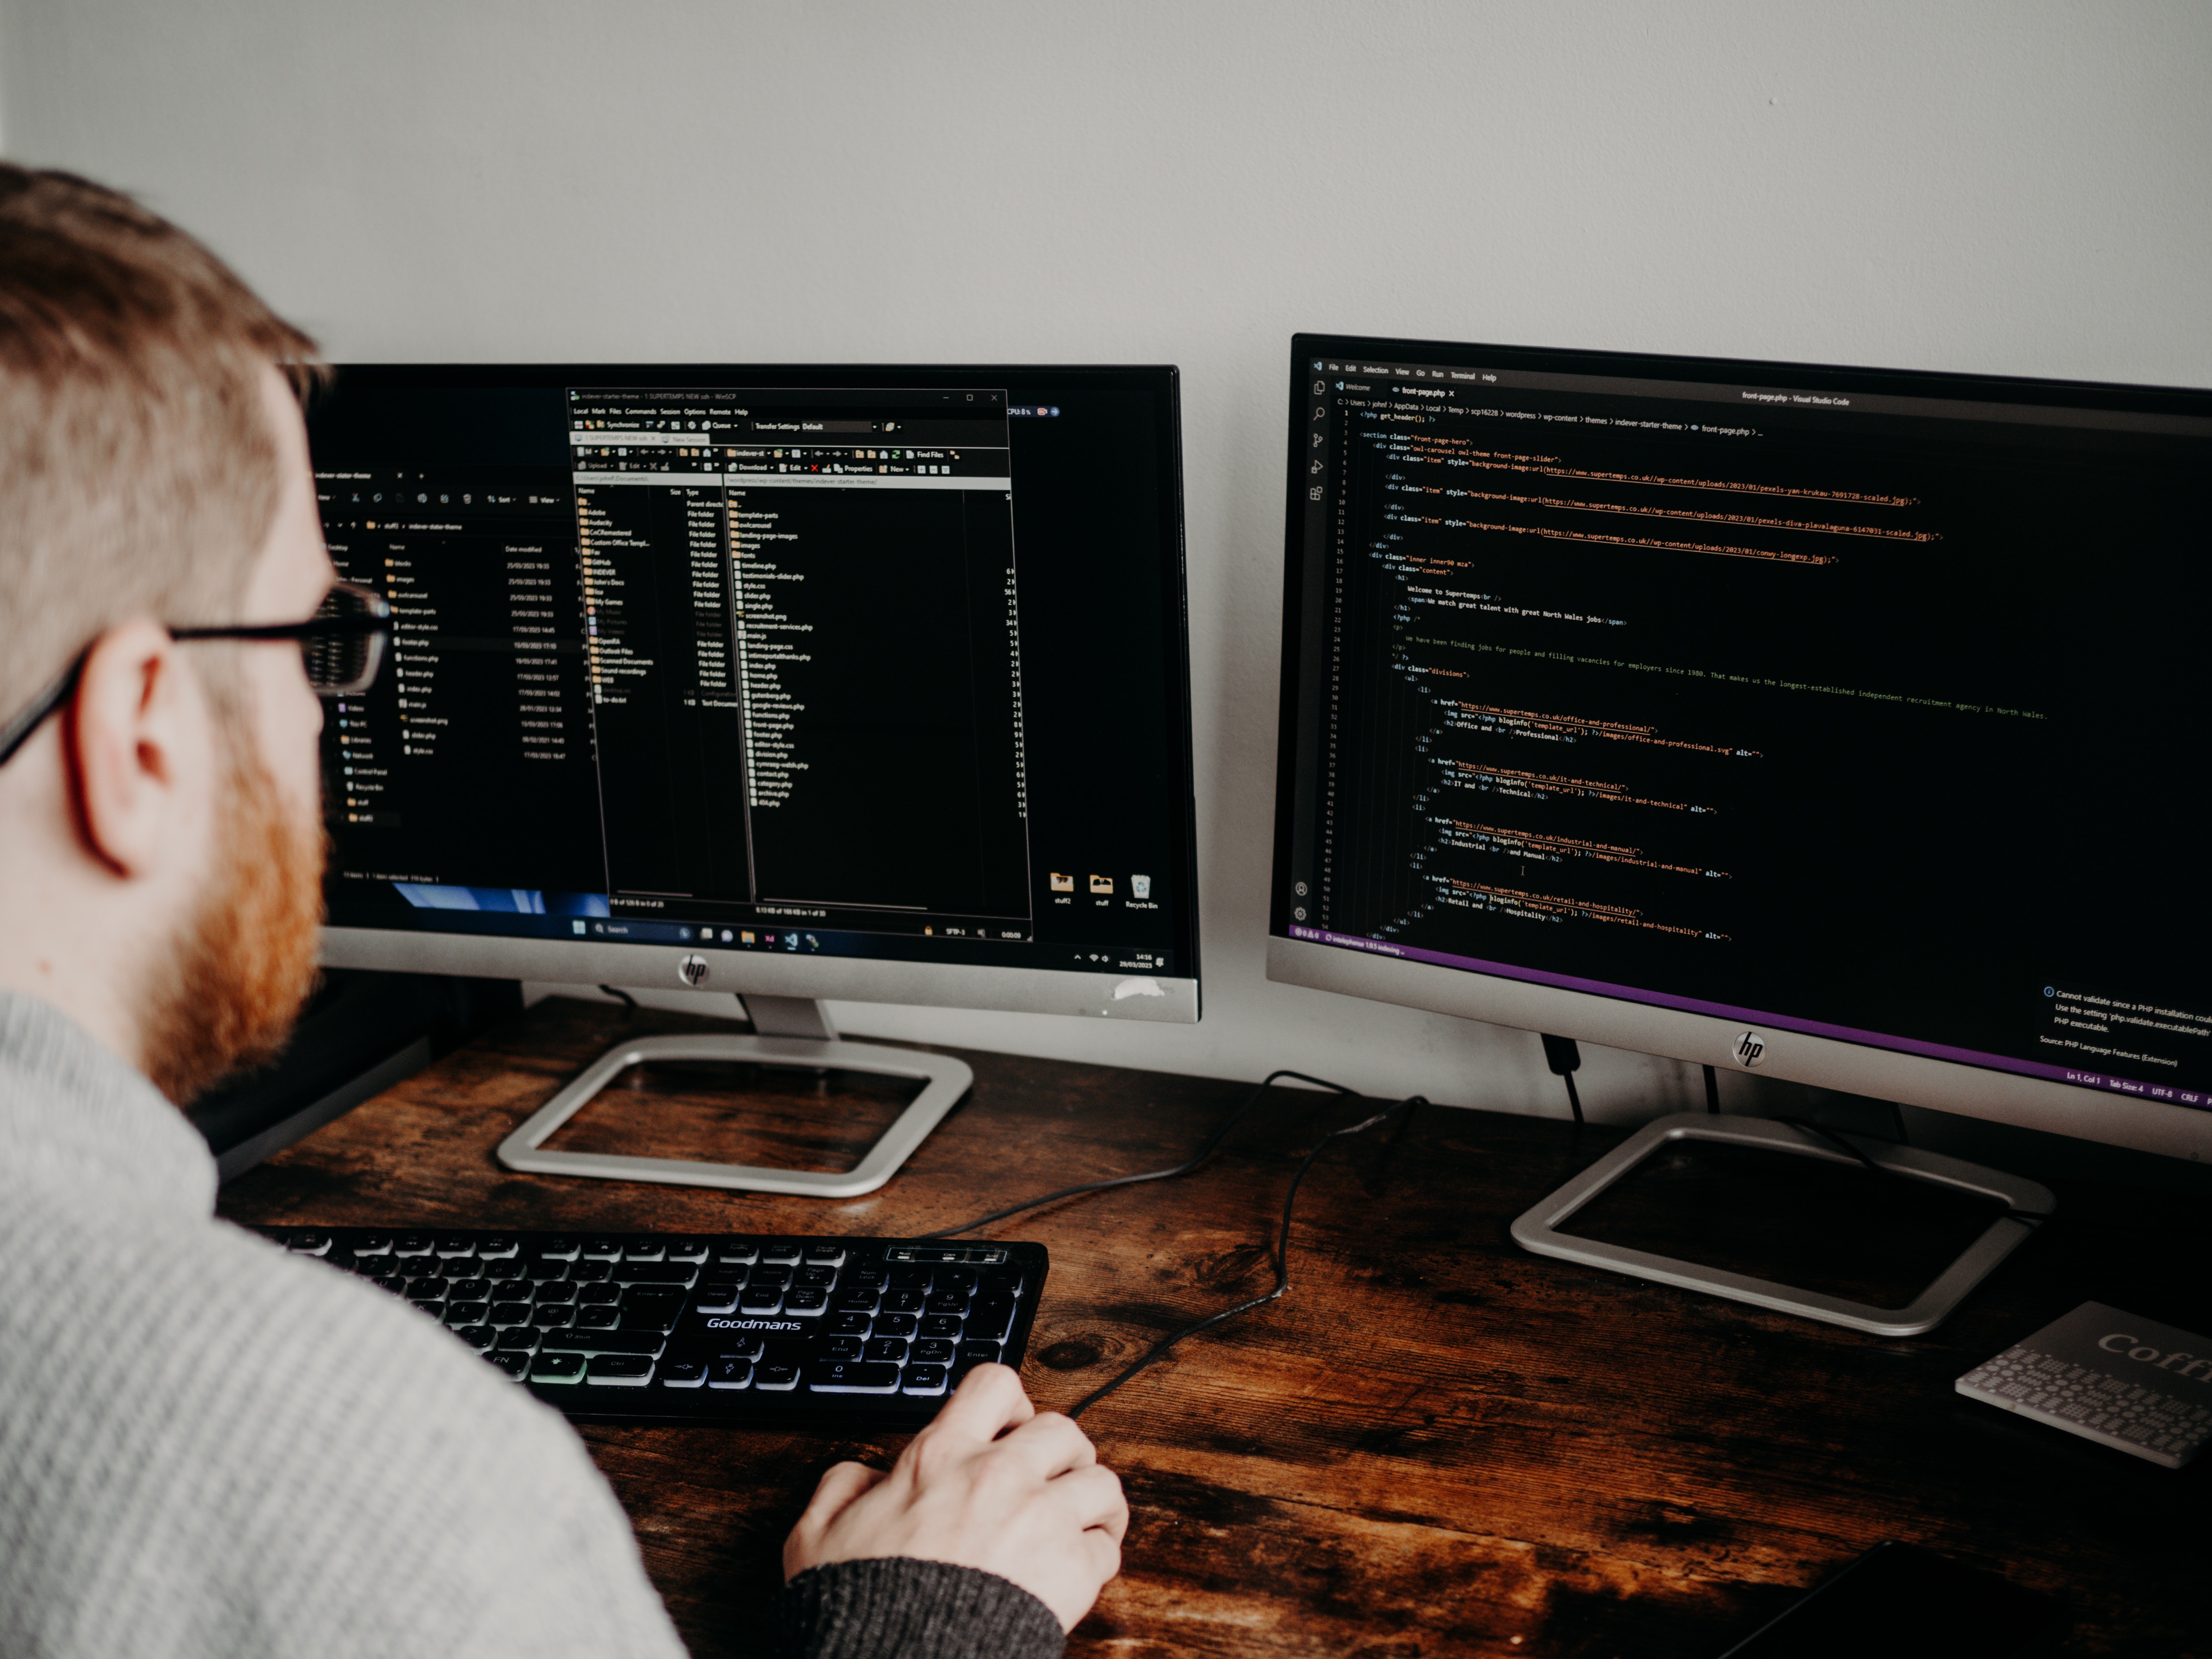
2035 1218
622 996
1564 1057
1184 1167
1282 1253
1712 1092
1835 1140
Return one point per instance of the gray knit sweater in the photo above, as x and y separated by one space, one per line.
210 1447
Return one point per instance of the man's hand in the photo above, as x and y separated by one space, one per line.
990 1484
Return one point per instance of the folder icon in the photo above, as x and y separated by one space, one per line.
1062 883
1102 883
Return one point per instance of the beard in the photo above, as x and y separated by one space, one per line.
245 962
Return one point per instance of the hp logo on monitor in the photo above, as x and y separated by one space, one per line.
692 971
1750 1049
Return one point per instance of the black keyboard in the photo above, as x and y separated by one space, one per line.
665 1327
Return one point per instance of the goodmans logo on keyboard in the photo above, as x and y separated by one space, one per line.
754 1325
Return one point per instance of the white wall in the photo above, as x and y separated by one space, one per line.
1998 187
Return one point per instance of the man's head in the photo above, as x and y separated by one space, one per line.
163 835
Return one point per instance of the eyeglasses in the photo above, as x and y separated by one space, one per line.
341 647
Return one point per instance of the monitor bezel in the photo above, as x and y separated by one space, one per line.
1171 999
2094 1113
948 981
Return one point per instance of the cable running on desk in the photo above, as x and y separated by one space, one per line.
2033 1220
1282 1259
1283 1239
1184 1167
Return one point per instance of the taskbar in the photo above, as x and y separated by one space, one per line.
785 939
723 920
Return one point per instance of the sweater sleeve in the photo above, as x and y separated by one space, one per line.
903 1609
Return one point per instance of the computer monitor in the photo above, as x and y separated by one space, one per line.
1849 725
863 683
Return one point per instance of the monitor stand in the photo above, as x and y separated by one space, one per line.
793 1031
1538 1230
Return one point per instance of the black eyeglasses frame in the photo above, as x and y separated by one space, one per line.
374 619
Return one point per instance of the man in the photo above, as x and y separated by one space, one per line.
208 1446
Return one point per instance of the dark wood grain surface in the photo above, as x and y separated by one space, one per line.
1435 1444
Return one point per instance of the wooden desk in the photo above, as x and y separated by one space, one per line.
1436 1444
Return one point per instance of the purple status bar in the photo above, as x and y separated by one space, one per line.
2073 1074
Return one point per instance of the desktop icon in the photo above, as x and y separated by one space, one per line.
1062 883
746 936
1140 887
1102 883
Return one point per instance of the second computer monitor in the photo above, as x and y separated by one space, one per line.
815 681
1842 724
